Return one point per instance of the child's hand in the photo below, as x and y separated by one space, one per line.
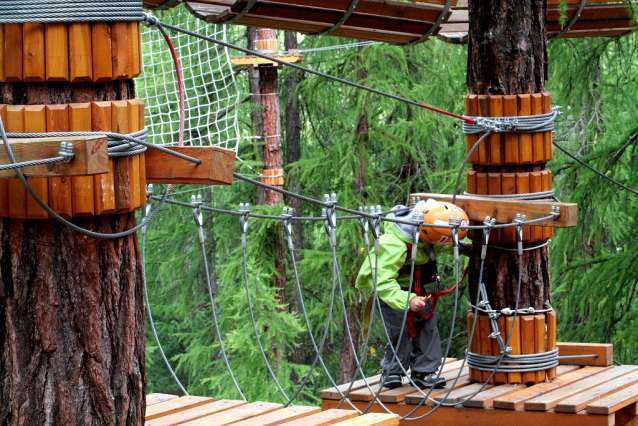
417 304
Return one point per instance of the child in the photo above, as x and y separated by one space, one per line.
419 348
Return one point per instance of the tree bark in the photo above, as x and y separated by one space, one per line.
72 324
507 55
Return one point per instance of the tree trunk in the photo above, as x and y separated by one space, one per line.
507 55
72 324
293 154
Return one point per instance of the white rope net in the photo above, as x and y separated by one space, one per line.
211 92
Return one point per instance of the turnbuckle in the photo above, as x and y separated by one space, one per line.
197 202
244 210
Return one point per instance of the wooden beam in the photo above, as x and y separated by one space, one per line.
505 210
217 166
254 60
91 156
605 352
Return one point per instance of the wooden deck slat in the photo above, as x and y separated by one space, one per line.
236 414
175 405
278 417
579 402
156 398
193 413
459 395
416 398
485 398
324 418
398 394
614 402
372 419
517 399
551 399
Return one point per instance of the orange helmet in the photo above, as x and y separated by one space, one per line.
439 213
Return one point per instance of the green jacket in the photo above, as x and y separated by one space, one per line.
392 287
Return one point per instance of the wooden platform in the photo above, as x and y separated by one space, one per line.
165 410
578 396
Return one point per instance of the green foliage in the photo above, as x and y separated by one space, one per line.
404 150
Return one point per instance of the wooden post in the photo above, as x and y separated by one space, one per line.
72 345
507 81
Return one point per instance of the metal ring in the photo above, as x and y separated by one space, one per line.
572 21
341 20
435 26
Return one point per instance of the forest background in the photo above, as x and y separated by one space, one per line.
372 150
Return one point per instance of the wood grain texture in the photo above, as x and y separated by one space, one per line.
16 192
13 53
614 402
80 52
82 186
603 353
579 401
103 185
4 183
513 329
56 52
121 165
525 146
216 168
173 406
60 190
35 122
195 412
102 60
280 416
33 52
243 412
156 398
120 50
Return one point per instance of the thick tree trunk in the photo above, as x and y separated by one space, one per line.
71 324
507 55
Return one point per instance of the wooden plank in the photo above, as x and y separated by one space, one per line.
510 140
216 168
280 416
2 54
119 50
505 210
121 165
101 52
60 192
614 402
82 186
327 417
475 343
137 182
33 48
525 139
35 122
485 398
513 329
103 185
516 400
539 341
508 235
13 66
416 398
548 145
372 419
550 321
134 52
80 52
527 344
142 157
194 413
254 60
523 187
17 193
605 352
462 394
494 185
551 399
578 402
4 183
546 185
499 377
536 185
465 416
335 393
173 406
471 182
56 51
471 110
242 412
485 329
398 394
481 184
497 154
484 147
538 149
156 398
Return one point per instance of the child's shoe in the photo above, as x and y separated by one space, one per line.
428 380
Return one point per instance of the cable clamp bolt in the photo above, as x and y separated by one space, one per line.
489 223
493 315
483 303
66 151
375 227
531 310
507 311
554 211
197 202
494 335
507 350
520 220
150 20
330 218
455 223
147 208
364 222
417 220
287 214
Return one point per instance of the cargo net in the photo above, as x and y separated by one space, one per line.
211 92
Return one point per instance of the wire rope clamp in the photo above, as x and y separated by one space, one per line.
244 210
196 201
147 208
554 211
519 220
417 220
330 218
66 151
287 214
455 223
363 220
489 224
375 226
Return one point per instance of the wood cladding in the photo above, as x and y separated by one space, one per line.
73 52
75 196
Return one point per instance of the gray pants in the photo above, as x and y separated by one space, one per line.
422 353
